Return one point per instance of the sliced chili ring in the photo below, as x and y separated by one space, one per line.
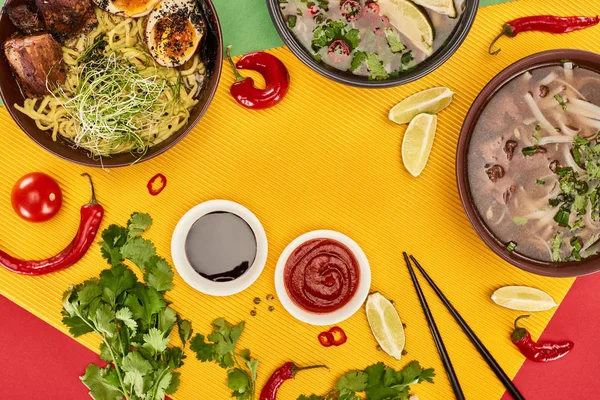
326 339
339 336
313 10
351 10
338 50
157 184
374 7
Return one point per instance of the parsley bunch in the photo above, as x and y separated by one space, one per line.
132 318
220 348
378 382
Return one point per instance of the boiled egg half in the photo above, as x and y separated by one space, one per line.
128 8
174 31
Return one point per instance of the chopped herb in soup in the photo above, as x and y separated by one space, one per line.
534 164
377 39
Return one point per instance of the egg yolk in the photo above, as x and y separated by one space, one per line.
132 7
174 36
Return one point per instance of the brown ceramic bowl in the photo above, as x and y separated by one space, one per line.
212 55
569 269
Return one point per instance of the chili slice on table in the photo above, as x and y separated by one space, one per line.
276 76
326 339
543 23
333 337
539 352
157 184
91 217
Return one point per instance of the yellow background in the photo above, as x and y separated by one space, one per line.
325 158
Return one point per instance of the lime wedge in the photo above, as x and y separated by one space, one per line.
410 21
523 298
445 7
417 143
430 101
385 324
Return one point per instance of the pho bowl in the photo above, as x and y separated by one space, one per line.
448 33
210 51
521 163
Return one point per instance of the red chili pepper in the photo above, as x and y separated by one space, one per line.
326 339
351 10
285 372
313 10
276 77
338 49
373 7
91 217
339 336
153 189
539 352
543 23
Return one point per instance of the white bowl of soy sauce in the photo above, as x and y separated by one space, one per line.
219 248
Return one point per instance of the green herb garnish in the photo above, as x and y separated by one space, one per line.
220 347
132 318
556 245
520 220
561 101
376 69
394 41
358 60
562 217
529 151
540 182
291 21
511 246
407 58
378 381
324 35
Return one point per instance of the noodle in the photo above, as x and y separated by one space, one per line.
176 91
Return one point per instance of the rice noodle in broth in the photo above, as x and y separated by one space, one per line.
534 161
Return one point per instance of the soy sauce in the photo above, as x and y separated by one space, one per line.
220 246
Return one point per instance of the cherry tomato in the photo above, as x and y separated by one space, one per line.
36 197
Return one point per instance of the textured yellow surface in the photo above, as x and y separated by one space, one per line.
327 157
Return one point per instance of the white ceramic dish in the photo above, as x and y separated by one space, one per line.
346 311
190 275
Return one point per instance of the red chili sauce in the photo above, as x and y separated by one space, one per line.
321 275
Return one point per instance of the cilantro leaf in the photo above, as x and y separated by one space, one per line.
376 69
238 380
163 385
355 381
104 320
159 274
358 60
174 383
138 224
394 41
113 238
204 351
97 380
134 362
77 326
156 339
184 328
139 251
126 316
166 320
115 281
90 290
253 367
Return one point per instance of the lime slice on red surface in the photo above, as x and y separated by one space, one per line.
430 101
385 324
417 143
523 298
410 21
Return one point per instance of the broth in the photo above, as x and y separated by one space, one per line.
370 51
542 201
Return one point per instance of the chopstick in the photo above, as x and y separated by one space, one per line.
437 338
506 381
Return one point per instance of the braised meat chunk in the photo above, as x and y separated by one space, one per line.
36 59
26 20
66 18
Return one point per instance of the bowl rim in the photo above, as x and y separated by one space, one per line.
429 65
341 314
189 274
192 123
534 61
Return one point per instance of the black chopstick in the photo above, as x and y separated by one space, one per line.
506 381
437 338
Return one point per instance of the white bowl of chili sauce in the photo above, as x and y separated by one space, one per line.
322 277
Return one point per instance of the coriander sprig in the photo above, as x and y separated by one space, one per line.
220 347
132 318
377 381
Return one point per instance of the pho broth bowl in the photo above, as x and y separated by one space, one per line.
210 54
528 163
356 42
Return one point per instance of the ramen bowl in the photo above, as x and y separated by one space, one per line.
211 54
481 223
449 46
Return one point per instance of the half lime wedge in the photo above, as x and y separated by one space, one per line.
410 21
445 7
385 324
417 143
523 298
430 101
